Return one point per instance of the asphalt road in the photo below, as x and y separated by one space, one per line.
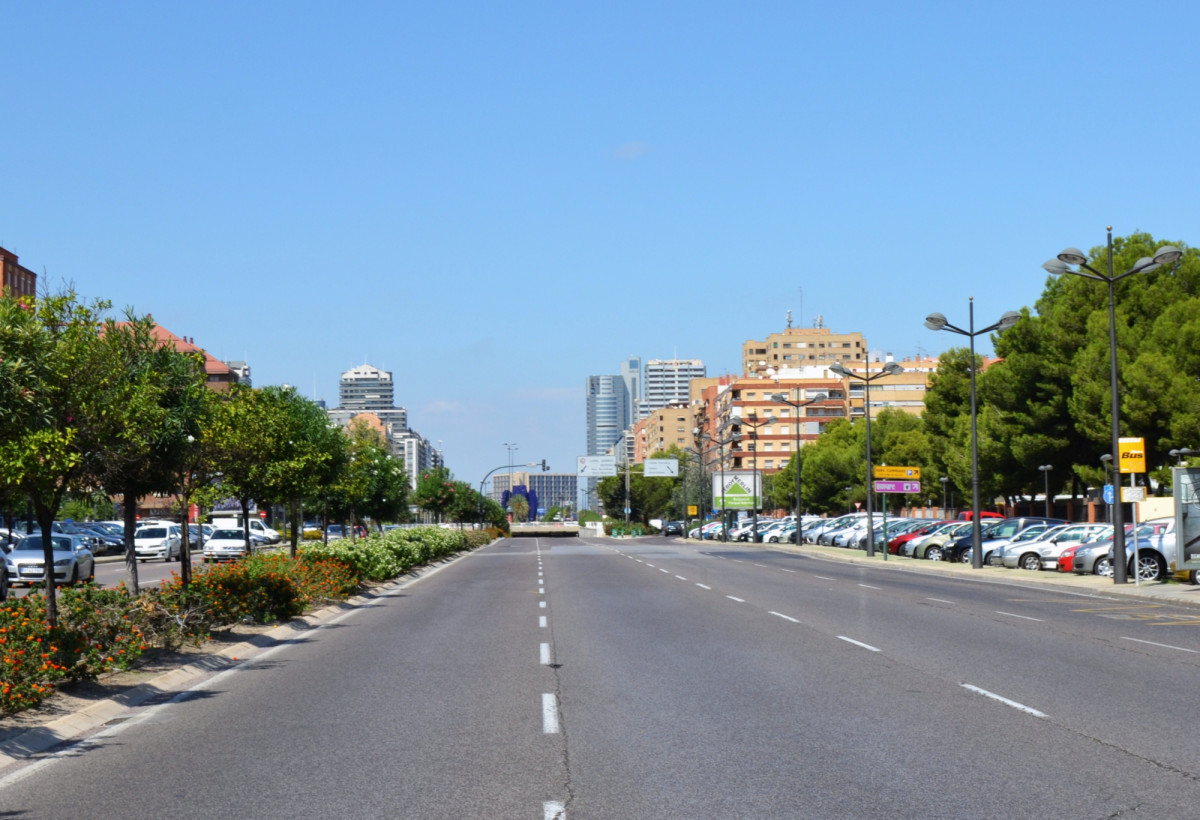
648 678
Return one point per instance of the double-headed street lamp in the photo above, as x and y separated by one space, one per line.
1046 468
753 422
936 321
1181 455
1060 265
889 369
796 405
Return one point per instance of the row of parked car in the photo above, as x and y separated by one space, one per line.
1025 542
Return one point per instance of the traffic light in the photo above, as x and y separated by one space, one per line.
545 466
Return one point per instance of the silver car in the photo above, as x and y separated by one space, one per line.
73 561
1043 553
158 540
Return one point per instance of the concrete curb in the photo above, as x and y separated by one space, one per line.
170 684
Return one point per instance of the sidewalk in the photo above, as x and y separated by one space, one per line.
1162 592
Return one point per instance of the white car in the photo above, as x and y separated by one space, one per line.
228 544
157 540
73 561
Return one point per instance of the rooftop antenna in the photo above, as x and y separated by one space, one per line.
789 318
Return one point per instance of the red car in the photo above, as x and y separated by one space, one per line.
1066 561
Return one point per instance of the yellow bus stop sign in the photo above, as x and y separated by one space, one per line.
1131 455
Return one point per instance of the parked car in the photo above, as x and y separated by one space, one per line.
896 543
994 550
73 561
257 527
1155 541
1003 529
229 544
1043 553
933 547
157 540
782 534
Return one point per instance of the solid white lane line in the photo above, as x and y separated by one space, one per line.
785 617
1163 645
823 578
857 643
542 621
739 600
702 586
544 654
868 586
940 600
554 810
681 578
1004 700
549 713
1015 615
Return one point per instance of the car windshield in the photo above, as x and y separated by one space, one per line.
223 535
34 544
152 532
1032 533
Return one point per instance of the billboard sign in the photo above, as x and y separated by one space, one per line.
661 467
737 490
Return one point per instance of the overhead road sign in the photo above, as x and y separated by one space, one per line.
902 473
897 486
596 466
663 467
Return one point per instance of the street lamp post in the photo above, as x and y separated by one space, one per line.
936 321
1046 468
945 480
849 503
889 369
796 405
1181 455
720 444
1061 265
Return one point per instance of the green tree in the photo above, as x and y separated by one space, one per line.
435 492
53 376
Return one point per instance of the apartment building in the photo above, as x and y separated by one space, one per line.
797 347
15 279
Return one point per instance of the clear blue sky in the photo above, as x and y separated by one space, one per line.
494 200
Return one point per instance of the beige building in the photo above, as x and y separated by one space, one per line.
797 347
667 426
746 406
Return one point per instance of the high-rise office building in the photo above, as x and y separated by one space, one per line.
608 414
631 375
667 382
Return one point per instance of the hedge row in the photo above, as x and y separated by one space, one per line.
103 630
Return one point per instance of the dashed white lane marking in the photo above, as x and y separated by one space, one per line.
1163 645
702 586
544 654
1027 709
542 604
542 621
858 643
554 810
940 600
681 578
781 569
1015 615
823 578
868 586
660 569
549 713
541 590
764 566
739 600
785 617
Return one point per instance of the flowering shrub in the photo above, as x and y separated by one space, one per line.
94 635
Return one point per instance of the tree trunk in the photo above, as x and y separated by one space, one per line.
45 518
185 543
130 516
296 526
246 523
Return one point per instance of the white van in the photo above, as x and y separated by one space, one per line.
257 527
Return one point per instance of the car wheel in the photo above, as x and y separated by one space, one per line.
965 557
1149 567
74 576
934 554
1030 561
1104 567
92 573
